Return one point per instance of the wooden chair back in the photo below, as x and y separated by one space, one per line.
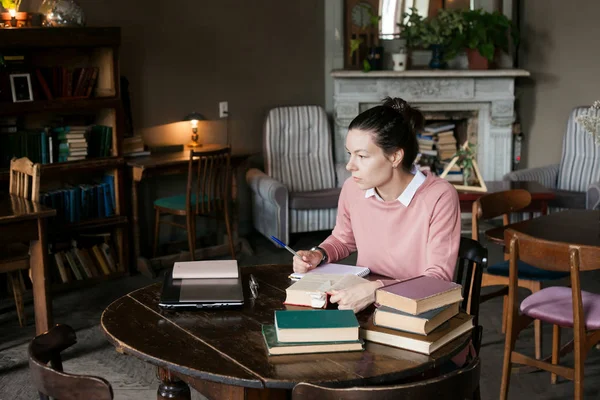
472 261
498 204
457 385
52 381
208 181
25 179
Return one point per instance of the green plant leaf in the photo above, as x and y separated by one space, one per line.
366 66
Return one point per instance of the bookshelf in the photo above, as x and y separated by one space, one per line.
74 77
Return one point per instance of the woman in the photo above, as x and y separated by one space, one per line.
402 222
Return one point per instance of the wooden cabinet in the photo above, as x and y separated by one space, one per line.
74 77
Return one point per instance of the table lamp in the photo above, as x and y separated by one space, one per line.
194 118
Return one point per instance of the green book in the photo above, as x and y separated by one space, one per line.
275 347
316 325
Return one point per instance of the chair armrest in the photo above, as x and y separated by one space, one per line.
547 176
592 197
266 187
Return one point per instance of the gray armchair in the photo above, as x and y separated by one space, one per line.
298 191
576 180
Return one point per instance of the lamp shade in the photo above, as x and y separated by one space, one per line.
194 116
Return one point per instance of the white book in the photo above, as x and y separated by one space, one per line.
336 269
206 269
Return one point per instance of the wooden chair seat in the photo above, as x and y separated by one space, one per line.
176 203
526 271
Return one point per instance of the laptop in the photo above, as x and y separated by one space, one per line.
201 293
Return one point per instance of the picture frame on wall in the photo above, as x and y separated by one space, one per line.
20 86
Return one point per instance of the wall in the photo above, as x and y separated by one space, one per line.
559 48
188 55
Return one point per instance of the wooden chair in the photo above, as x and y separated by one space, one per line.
457 385
24 183
472 261
207 195
51 381
502 204
558 305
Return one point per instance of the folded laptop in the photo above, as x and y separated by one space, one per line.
201 293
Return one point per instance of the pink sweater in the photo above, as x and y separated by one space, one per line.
398 241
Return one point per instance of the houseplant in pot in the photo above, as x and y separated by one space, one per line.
433 33
483 35
10 15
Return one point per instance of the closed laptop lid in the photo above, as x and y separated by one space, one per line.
190 292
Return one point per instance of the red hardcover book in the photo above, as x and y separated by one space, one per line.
420 294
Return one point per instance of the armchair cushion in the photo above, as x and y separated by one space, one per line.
316 199
593 196
555 305
580 156
266 187
547 175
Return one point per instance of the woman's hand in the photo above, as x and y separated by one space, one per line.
310 260
355 298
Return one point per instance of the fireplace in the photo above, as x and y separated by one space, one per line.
481 103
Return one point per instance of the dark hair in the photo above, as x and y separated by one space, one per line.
394 125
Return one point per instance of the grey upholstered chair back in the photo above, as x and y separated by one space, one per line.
580 161
298 148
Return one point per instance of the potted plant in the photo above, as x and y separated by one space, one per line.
434 33
483 35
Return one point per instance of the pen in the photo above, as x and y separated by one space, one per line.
288 248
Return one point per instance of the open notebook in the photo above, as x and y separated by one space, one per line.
337 269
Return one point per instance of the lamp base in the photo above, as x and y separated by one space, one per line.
194 145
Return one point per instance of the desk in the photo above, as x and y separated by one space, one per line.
540 195
177 163
23 220
571 226
221 353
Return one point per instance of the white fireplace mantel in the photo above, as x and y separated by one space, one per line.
489 92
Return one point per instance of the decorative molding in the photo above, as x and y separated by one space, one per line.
346 110
502 108
429 89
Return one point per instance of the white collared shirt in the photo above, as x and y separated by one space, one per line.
409 192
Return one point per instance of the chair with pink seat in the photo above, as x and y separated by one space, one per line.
563 307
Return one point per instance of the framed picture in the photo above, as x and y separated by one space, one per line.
20 86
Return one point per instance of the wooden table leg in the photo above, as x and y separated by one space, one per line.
171 387
217 391
38 260
143 266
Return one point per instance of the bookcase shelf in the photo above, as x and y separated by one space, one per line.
59 37
92 164
95 223
59 105
88 282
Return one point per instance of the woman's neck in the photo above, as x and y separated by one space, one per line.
392 189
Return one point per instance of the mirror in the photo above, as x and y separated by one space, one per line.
391 12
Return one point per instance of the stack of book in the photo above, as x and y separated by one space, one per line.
72 144
420 314
443 135
134 147
312 331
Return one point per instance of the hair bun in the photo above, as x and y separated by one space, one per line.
410 114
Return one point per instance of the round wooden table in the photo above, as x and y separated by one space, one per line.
221 353
571 226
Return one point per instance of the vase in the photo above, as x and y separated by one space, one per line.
375 58
437 57
399 61
62 13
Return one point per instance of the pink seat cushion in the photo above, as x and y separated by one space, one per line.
555 305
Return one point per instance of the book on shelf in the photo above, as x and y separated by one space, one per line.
275 347
311 290
425 344
333 268
316 326
418 295
421 324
